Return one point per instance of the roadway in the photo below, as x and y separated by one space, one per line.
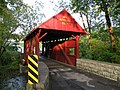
68 78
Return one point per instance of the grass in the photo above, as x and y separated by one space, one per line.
21 44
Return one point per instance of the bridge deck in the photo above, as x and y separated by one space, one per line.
67 78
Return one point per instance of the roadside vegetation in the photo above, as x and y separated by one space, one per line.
16 20
98 47
9 65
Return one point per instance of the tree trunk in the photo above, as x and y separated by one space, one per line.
89 35
112 39
89 28
82 20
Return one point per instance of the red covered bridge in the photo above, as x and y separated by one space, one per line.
59 37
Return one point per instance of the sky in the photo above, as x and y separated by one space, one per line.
48 9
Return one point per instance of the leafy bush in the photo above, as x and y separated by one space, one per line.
9 64
116 58
8 57
98 50
84 48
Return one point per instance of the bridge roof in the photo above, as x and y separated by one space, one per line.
62 23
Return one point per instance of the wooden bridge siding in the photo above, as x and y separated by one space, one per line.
64 55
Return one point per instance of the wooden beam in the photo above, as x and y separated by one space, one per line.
43 36
77 47
67 58
38 34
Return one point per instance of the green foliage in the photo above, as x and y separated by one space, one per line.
100 15
84 48
97 47
118 48
95 8
29 17
9 64
99 50
9 56
8 70
115 58
21 44
8 22
15 14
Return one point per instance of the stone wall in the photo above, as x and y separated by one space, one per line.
104 69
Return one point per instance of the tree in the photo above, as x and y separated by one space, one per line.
97 9
114 11
62 4
8 24
105 5
15 14
30 17
84 8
